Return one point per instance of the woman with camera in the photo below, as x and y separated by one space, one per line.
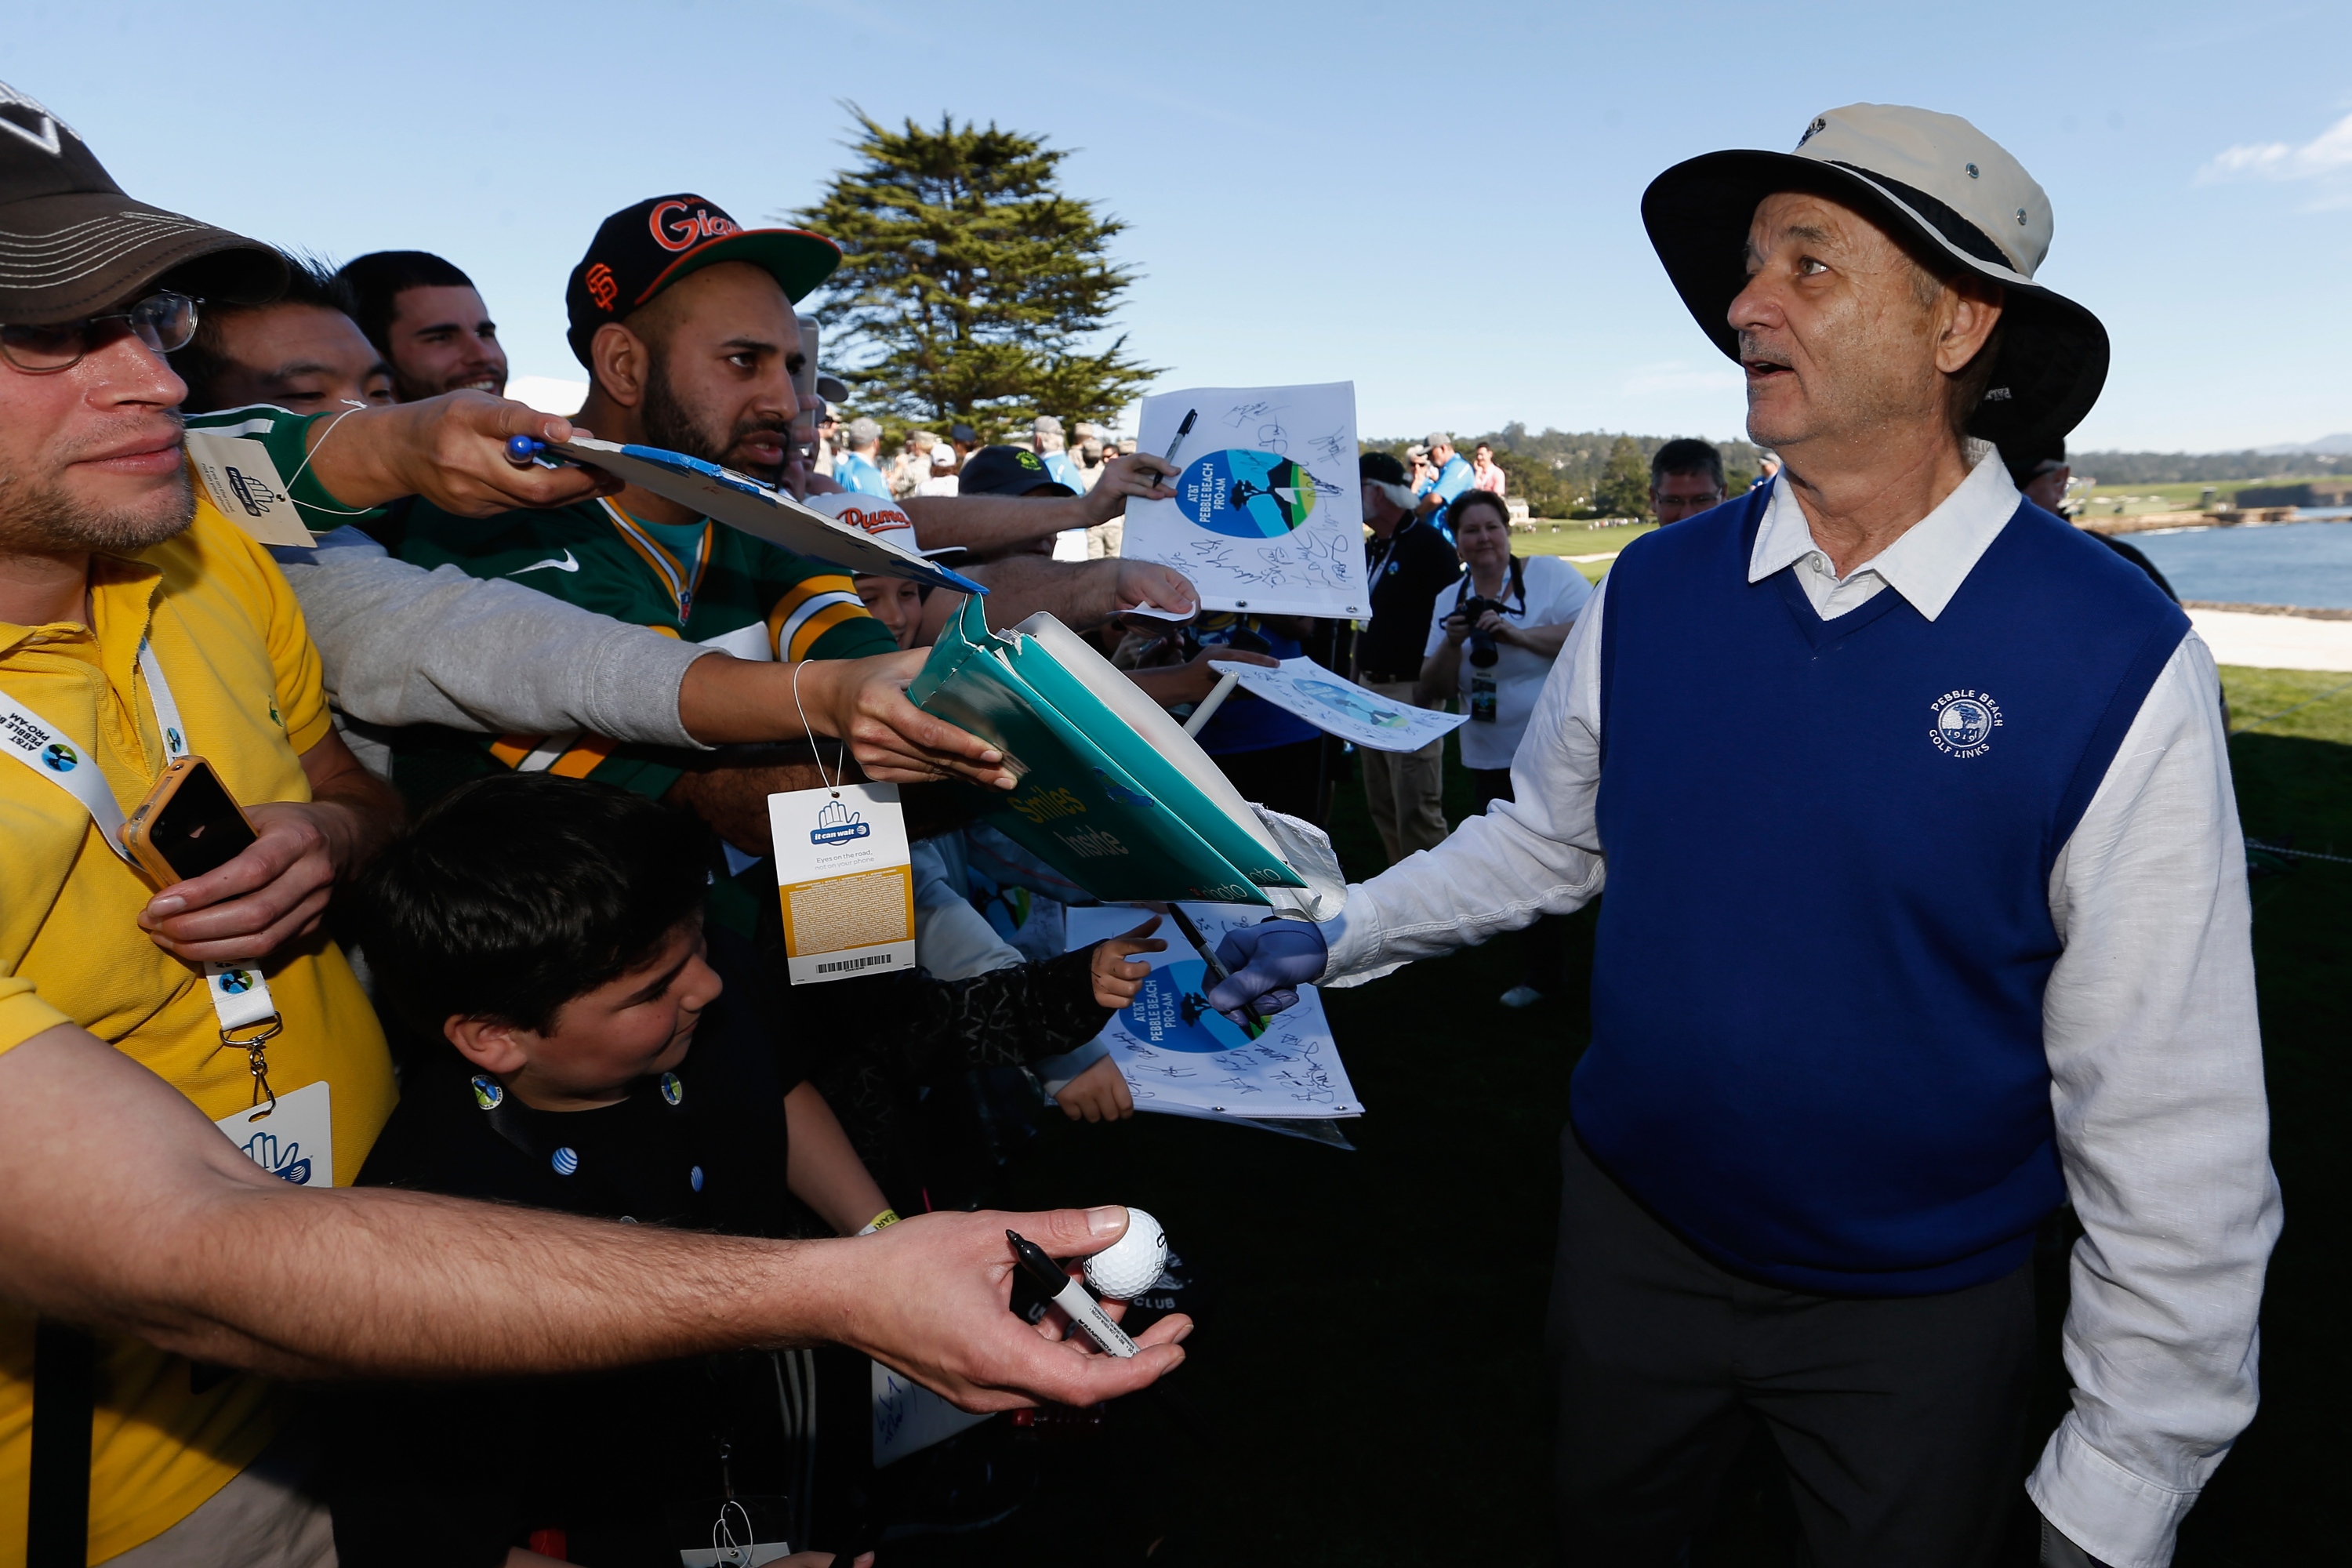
1493 642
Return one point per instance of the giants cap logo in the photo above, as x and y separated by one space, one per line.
30 122
676 228
602 287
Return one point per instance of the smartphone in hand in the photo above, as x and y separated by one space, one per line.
188 825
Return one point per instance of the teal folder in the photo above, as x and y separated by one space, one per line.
1112 793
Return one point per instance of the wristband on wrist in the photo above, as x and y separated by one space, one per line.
882 1221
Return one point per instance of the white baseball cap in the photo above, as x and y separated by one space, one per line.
1935 182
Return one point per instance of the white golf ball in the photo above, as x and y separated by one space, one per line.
1125 1268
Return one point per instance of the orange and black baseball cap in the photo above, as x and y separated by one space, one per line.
71 244
643 249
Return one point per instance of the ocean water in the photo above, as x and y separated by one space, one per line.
2306 563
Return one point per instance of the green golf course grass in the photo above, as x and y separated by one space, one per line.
1369 1366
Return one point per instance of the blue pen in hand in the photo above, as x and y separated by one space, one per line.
523 453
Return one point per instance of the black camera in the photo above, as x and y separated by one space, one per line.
1483 652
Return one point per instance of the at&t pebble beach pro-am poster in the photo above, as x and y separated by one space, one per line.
1267 516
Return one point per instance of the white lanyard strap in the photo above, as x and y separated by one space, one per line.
241 995
73 768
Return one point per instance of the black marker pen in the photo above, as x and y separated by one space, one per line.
1181 431
1070 1296
1251 1024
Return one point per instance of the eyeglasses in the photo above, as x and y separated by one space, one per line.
164 322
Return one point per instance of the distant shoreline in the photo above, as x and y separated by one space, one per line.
2309 614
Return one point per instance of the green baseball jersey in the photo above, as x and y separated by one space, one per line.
707 583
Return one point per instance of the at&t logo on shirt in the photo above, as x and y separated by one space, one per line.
1965 720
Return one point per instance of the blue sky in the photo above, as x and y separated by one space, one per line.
1440 204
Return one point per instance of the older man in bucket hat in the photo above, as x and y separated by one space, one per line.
1926 914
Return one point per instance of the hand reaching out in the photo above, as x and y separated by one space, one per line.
1118 976
1098 1094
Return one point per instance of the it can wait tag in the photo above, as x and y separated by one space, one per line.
294 1139
846 882
244 483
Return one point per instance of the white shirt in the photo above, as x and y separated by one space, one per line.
1556 592
2148 1024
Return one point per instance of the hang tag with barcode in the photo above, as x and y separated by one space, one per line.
846 882
245 484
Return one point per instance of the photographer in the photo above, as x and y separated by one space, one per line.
1494 641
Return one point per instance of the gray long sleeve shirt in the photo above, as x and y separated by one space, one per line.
405 645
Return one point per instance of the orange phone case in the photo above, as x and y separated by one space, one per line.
134 828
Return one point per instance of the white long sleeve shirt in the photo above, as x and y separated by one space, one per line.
2149 1023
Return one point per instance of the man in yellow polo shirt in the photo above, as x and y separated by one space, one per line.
148 1266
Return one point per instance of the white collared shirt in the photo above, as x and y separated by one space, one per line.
1926 565
2149 1023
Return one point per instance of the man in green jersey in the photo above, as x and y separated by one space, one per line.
685 322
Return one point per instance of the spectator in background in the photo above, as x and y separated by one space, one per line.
828 440
2041 473
1450 476
1127 446
1485 474
302 351
1046 439
965 439
1088 461
859 469
1686 478
912 466
1408 564
945 459
428 322
1768 464
1493 642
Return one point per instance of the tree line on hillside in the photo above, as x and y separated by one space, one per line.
972 289
1582 473
2195 467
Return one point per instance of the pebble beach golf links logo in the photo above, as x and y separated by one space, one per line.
1963 724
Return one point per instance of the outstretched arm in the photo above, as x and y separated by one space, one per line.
402 645
1081 594
1523 859
178 1238
987 524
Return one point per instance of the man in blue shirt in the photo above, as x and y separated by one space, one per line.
860 469
1452 476
1926 916
1047 439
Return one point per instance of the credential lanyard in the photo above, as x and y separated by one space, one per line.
241 995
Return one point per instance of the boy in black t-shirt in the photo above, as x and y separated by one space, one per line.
578 1042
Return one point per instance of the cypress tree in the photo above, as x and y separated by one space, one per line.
969 279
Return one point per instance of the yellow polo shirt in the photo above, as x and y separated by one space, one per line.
231 642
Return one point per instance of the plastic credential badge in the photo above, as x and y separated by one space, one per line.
844 873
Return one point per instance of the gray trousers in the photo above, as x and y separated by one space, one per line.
1900 1419
1404 789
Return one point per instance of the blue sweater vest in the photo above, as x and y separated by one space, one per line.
1817 990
